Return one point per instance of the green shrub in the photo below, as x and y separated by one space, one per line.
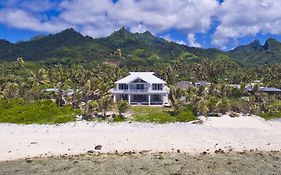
156 117
119 118
270 115
40 112
185 116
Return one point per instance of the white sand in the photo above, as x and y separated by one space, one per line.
242 133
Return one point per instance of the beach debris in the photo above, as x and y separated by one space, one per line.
33 143
204 153
233 114
90 151
98 147
219 151
197 122
160 157
28 160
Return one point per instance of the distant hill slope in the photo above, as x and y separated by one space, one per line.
145 46
257 54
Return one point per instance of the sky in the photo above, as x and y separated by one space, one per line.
223 24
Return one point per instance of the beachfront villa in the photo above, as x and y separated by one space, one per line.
141 88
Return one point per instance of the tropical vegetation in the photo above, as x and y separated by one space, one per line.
75 73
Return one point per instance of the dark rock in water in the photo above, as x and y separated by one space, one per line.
98 147
219 151
28 160
204 153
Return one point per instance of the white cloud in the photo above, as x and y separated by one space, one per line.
40 6
104 16
192 40
139 16
99 18
23 20
240 18
168 38
32 5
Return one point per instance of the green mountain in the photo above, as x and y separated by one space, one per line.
257 54
123 46
4 44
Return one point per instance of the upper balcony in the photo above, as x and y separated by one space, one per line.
139 91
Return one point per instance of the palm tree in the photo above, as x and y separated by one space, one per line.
123 106
104 104
175 95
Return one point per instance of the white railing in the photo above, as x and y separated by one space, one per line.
138 90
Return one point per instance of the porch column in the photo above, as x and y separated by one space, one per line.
114 98
163 99
148 99
129 99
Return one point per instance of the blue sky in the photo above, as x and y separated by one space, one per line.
199 23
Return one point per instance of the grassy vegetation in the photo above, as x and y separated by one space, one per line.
119 118
269 116
39 112
161 115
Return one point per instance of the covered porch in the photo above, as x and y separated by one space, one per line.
141 99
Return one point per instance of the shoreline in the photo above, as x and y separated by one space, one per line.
248 162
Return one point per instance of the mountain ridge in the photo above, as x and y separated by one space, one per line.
71 44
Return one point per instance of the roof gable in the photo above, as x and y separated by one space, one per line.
148 77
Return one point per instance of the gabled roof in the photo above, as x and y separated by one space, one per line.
148 77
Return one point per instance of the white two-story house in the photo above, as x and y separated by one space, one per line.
141 88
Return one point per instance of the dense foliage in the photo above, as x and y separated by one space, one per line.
70 61
42 112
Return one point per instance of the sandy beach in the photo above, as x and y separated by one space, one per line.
225 133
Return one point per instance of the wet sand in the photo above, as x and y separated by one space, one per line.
219 163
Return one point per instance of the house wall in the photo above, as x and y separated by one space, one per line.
139 91
143 99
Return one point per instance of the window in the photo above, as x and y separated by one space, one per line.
157 86
156 97
122 86
140 86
